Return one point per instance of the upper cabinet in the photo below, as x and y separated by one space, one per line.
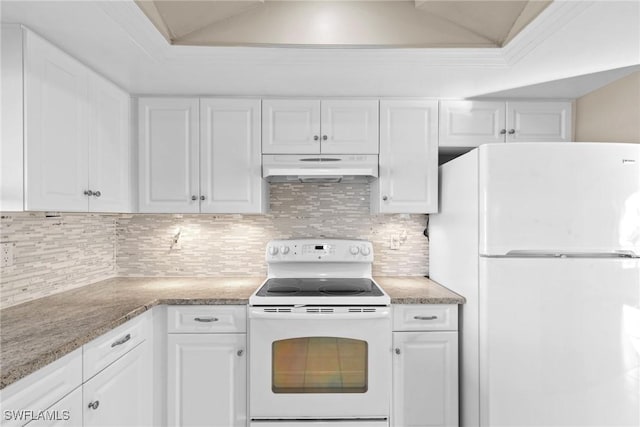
408 181
200 156
301 126
76 134
467 124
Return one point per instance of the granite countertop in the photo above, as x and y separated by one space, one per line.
36 333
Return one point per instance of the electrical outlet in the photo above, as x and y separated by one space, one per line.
6 254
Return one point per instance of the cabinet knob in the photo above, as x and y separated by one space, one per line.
385 198
94 404
316 137
503 131
88 193
194 198
325 137
512 131
240 352
97 194
397 350
202 197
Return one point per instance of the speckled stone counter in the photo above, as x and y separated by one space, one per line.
39 332
417 290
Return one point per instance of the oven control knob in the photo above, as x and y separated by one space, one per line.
354 250
365 250
273 250
284 250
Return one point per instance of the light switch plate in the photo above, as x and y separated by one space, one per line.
6 254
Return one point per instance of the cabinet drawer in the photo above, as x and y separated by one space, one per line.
425 317
41 389
106 349
205 319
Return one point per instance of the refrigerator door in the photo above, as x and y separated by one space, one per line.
559 342
559 198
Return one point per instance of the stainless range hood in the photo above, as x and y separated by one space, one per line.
320 167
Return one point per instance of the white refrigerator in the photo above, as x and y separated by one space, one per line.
543 240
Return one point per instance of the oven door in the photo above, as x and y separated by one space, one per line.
320 363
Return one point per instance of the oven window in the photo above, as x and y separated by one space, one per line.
319 365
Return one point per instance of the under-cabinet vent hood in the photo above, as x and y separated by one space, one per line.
320 168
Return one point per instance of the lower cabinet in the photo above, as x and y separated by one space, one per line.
120 395
207 380
66 413
425 366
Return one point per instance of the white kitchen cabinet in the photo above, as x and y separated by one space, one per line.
67 412
425 366
230 157
468 124
200 156
207 380
168 140
41 389
76 134
408 181
121 394
302 126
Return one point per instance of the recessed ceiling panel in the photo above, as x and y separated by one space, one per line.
358 23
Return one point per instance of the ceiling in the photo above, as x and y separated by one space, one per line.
571 48
359 23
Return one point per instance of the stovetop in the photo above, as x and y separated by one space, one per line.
325 287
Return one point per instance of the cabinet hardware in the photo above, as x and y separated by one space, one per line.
121 341
503 131
397 350
205 319
194 198
88 193
385 198
512 131
97 194
240 352
202 197
325 137
316 137
94 404
425 317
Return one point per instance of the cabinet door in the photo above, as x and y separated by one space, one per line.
120 395
230 158
109 150
56 131
471 123
349 127
169 152
539 122
408 180
206 380
425 379
290 126
67 412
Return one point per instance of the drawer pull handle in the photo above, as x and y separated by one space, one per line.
94 405
205 319
121 341
425 317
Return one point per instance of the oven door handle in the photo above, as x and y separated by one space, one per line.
319 316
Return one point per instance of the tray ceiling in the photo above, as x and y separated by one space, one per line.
358 23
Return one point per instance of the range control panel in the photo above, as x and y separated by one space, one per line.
321 250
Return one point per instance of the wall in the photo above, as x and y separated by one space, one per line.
233 245
55 254
611 113
61 253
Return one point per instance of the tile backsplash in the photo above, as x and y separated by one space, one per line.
55 254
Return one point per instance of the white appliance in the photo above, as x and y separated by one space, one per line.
320 337
543 240
320 167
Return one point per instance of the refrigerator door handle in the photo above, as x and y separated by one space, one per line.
519 253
